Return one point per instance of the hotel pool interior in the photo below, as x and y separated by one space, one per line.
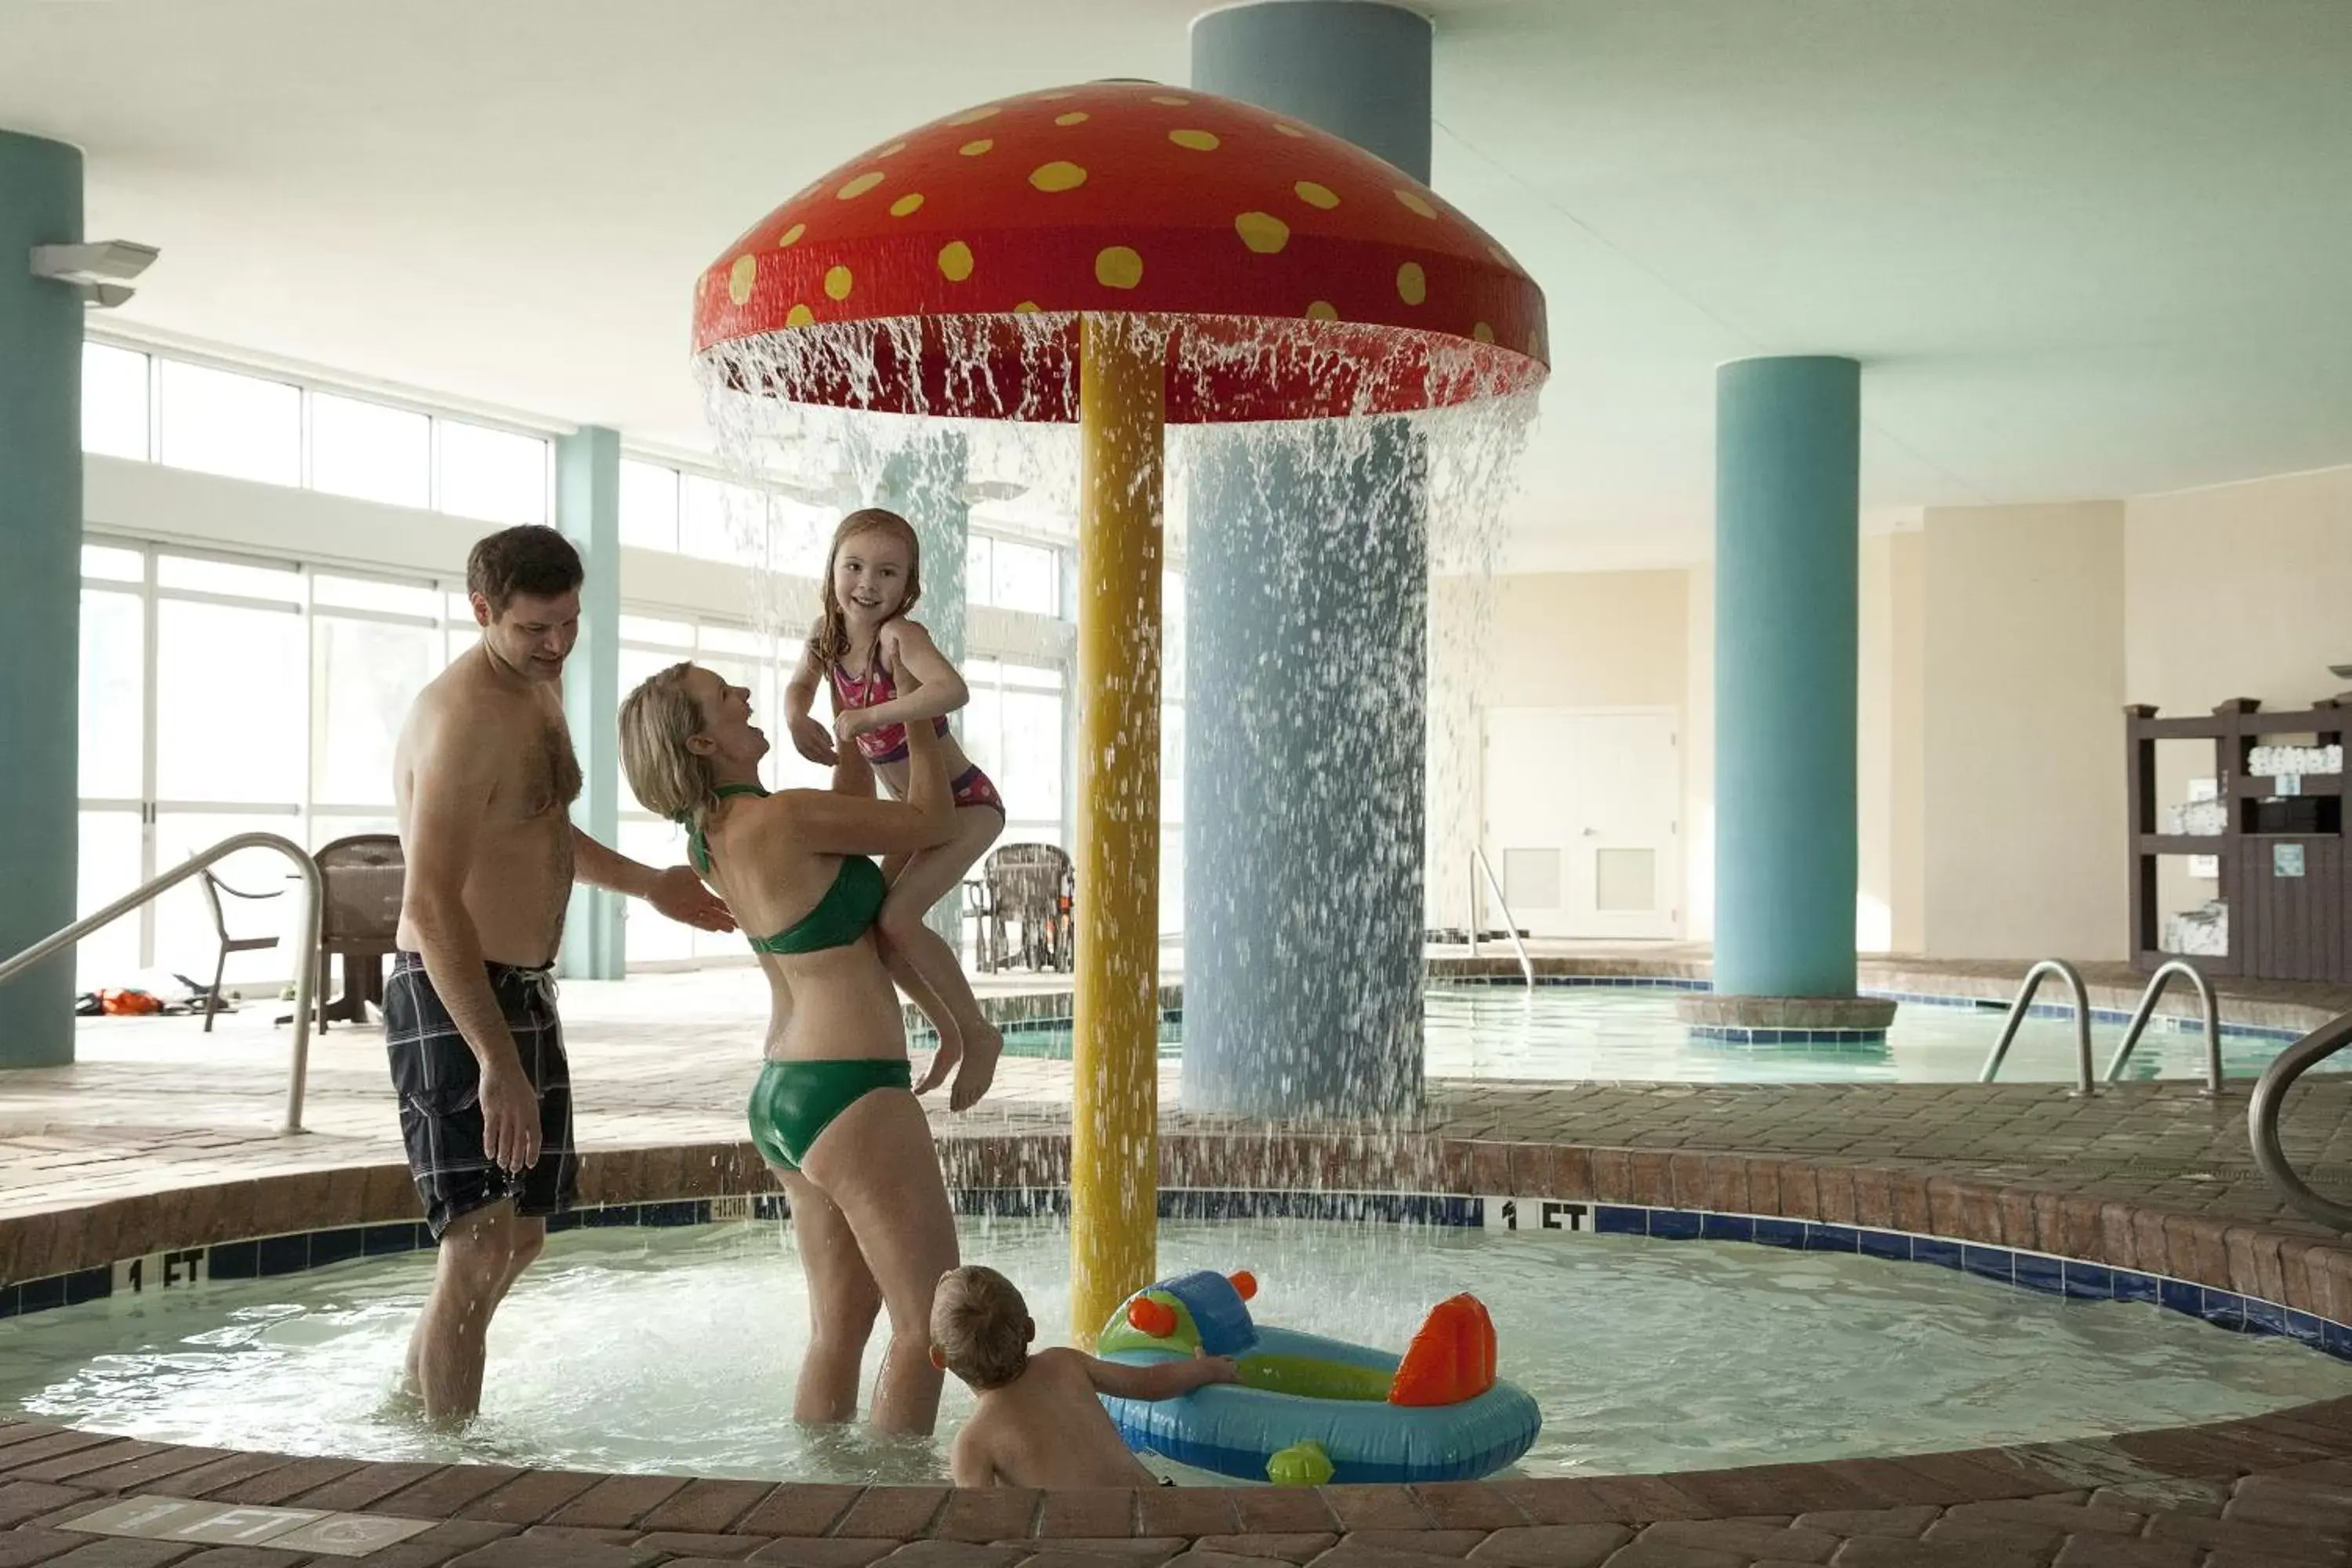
1667 689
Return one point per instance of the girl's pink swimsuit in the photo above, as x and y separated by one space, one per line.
889 744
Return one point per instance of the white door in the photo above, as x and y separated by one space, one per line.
1581 821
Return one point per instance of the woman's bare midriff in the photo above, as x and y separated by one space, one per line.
834 1005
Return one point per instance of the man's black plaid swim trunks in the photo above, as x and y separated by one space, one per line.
439 1083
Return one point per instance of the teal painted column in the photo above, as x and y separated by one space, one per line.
40 591
1304 750
1787 564
924 482
588 511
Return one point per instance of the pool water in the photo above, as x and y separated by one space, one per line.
1630 1034
675 1351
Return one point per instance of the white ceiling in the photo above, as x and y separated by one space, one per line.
2090 249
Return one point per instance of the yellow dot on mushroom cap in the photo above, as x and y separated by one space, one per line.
1282 130
1117 267
1412 284
799 316
1170 100
790 237
1057 175
1198 141
1262 231
836 283
860 185
974 116
1535 344
892 150
955 261
740 277
1058 92
1316 195
907 204
1322 310
1483 333
974 149
1074 116
1412 203
1027 308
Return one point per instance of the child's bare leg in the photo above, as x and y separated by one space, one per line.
928 876
918 988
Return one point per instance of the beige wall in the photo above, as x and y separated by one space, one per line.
1698 760
2237 591
1891 730
2022 687
1552 640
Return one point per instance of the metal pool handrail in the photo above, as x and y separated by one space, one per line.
2017 1010
1478 862
2263 1119
2146 1011
306 964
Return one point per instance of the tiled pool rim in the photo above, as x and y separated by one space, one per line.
1666 1193
299 1252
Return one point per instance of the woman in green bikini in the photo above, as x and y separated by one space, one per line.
833 1112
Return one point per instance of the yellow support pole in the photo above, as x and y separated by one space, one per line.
1115 1108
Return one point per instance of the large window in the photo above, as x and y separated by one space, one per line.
1014 728
1012 576
223 696
370 451
219 422
699 514
274 429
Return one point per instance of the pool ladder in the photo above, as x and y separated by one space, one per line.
2263 1120
2140 1018
1479 863
306 940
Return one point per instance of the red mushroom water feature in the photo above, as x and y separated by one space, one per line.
1125 255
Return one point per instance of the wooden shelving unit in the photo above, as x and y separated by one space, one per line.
2290 913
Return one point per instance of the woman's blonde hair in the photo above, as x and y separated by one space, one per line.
667 777
829 643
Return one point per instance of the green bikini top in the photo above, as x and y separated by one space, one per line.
841 917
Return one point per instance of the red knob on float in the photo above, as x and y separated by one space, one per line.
1245 1284
1147 1316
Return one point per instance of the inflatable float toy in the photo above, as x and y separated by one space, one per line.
1309 1409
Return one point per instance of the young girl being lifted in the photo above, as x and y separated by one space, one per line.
873 578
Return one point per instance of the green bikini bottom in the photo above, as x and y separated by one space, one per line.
795 1100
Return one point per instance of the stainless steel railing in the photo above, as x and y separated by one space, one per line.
2263 1119
2017 1011
1478 862
307 946
2146 1011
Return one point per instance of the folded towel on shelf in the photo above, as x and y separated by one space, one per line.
2198 818
2270 761
2202 932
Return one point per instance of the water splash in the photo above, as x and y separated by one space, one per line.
979 410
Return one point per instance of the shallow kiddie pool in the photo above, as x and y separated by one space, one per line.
674 1350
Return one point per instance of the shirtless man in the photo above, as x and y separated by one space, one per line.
484 776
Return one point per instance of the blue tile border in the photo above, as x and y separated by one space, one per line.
1743 1035
271 1257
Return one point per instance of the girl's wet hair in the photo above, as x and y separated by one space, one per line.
829 643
